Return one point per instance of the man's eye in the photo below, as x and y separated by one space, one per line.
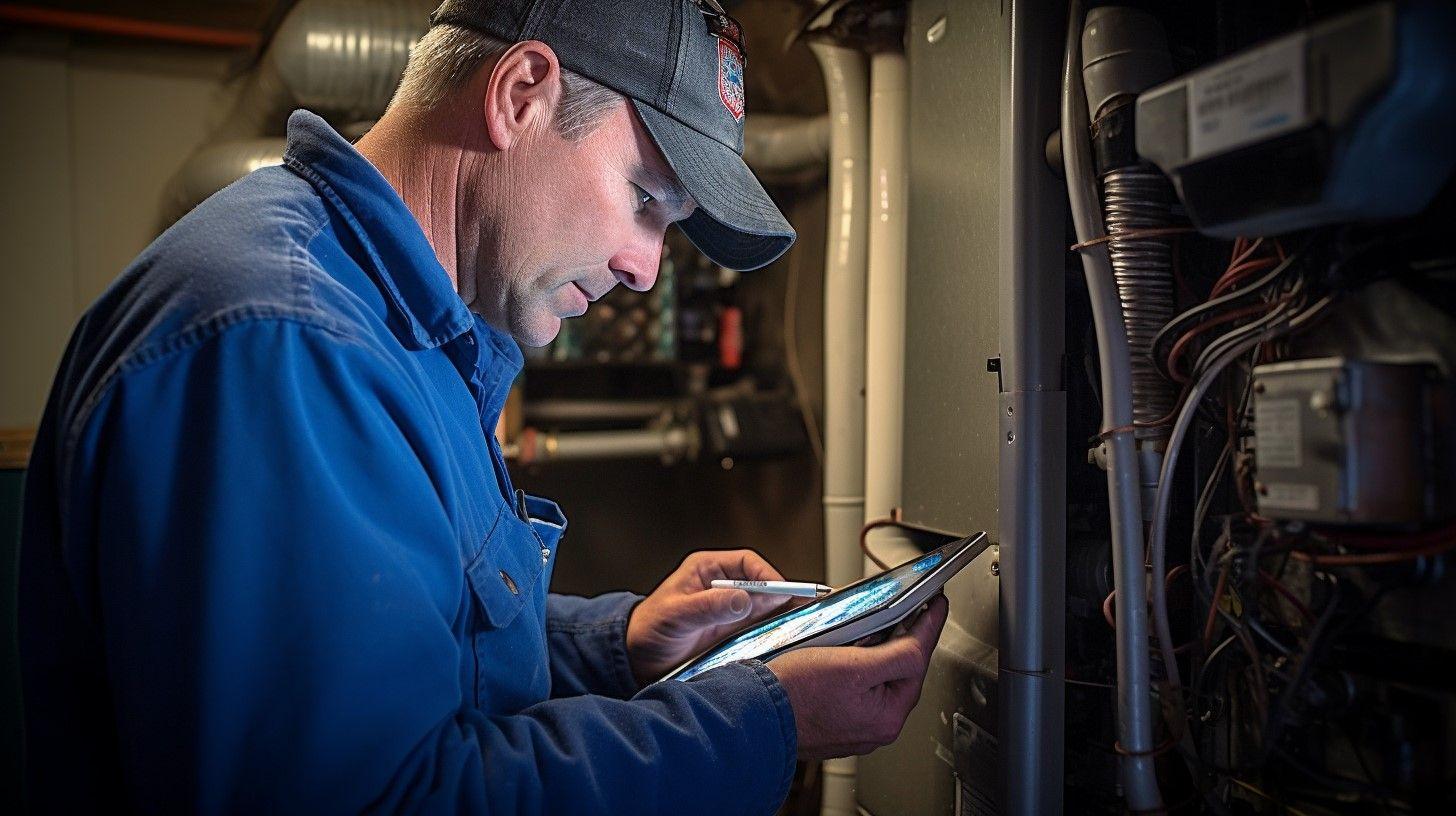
644 198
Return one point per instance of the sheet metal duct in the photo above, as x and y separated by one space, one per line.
343 58
214 167
340 58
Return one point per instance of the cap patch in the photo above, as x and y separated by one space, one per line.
730 77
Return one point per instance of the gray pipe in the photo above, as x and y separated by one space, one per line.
1033 414
1134 684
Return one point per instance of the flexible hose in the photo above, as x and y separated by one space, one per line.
1136 199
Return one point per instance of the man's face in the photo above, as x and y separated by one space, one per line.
571 220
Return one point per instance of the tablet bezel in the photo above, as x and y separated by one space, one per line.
968 549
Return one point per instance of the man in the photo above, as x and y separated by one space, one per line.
273 560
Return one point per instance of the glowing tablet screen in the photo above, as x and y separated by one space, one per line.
811 619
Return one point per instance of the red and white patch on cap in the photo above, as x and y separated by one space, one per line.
730 77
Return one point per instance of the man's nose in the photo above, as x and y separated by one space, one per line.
636 267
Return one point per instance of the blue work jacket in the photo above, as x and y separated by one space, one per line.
273 561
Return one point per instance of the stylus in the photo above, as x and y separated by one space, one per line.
799 588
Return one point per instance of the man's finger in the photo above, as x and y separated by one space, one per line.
896 659
713 606
742 564
906 656
926 628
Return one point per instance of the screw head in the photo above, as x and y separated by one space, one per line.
995 568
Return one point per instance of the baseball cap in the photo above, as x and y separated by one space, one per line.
680 65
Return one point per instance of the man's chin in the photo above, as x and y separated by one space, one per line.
538 332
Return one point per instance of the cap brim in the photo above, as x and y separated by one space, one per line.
736 224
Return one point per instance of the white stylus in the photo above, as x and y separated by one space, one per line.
799 588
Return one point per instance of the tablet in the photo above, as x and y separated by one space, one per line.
846 615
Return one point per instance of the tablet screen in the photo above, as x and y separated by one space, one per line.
819 616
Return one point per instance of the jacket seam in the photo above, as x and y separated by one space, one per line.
192 336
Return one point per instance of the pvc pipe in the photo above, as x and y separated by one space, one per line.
885 310
846 85
846 81
1134 682
778 143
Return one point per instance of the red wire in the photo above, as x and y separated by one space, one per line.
1183 341
1368 541
1406 548
1213 607
1241 272
1284 592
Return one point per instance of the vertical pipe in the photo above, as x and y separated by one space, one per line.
1134 684
885 307
1033 412
846 84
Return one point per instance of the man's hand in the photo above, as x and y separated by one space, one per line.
685 615
851 700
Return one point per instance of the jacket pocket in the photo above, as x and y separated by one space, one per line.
504 575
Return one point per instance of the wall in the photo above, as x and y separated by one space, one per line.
93 131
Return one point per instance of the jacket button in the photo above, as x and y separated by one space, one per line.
511 585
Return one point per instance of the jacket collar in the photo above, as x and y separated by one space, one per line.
426 309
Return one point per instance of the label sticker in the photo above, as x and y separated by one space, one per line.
1290 496
730 77
1277 424
1257 96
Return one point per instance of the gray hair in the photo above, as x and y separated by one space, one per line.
445 59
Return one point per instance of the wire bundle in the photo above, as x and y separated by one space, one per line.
1256 643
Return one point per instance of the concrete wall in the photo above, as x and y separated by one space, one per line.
92 131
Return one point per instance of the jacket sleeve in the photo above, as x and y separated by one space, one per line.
588 641
276 579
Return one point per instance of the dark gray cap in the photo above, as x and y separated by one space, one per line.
680 64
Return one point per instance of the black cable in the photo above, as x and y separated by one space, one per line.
1277 716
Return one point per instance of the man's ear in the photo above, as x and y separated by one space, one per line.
522 93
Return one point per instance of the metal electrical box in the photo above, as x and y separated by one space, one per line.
1340 440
